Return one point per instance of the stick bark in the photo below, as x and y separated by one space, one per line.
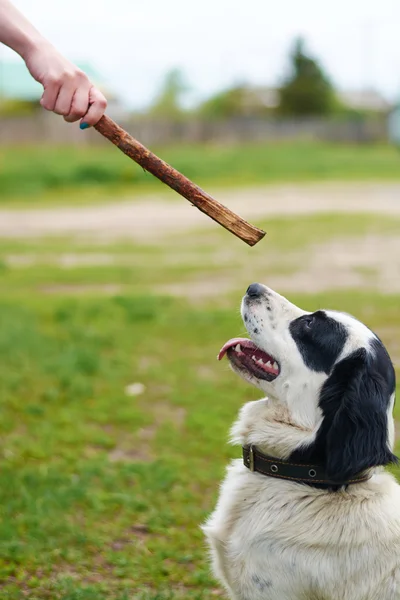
178 182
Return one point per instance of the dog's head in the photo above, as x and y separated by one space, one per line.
329 380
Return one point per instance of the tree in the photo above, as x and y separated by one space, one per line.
225 104
169 100
307 90
240 101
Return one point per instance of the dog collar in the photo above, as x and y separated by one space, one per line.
315 475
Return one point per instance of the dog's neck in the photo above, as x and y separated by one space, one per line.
271 427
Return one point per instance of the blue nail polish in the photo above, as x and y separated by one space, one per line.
84 126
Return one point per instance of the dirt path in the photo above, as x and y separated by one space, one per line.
154 216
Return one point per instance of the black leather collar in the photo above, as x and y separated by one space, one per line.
313 475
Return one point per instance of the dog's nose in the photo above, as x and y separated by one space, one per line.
255 290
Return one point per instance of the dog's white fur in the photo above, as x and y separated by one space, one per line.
272 539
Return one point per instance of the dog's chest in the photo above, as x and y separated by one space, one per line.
282 539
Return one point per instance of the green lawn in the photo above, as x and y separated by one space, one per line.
57 175
102 493
185 259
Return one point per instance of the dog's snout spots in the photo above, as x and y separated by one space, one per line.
255 330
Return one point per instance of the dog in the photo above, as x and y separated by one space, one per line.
309 513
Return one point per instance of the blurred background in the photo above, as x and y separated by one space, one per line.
116 294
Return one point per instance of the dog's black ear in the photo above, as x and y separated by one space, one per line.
354 401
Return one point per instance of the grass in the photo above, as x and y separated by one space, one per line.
101 493
75 523
30 266
48 174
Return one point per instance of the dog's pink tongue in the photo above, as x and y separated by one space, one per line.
244 343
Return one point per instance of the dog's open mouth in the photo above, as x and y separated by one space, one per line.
246 356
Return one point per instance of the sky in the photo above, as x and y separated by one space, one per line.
218 43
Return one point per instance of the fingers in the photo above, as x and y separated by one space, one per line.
97 107
79 105
67 90
64 100
74 98
50 95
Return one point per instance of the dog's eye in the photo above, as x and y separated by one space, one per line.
309 322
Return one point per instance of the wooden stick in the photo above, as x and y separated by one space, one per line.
178 182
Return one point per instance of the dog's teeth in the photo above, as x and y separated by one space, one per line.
260 361
254 358
238 348
275 366
269 364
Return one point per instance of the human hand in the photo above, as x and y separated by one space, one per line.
67 90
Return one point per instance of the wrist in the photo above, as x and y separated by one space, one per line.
30 44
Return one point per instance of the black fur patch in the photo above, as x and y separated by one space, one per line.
320 340
382 364
354 401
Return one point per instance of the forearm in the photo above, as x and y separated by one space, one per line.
67 90
16 31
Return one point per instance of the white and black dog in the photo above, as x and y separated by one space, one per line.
309 513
